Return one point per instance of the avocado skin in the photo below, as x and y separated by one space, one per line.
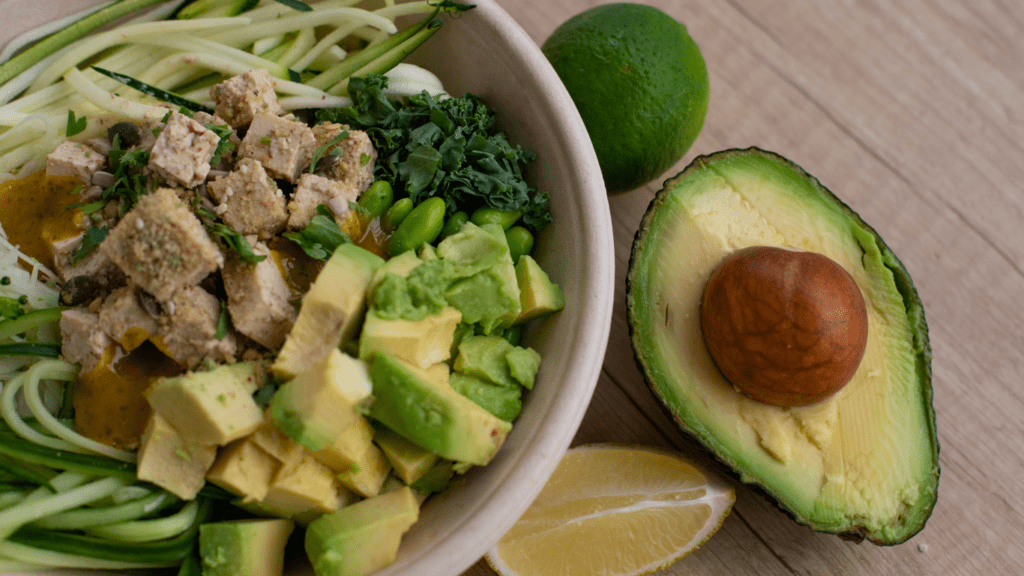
911 301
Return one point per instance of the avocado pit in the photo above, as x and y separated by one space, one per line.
787 327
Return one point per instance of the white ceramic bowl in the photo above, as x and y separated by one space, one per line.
485 52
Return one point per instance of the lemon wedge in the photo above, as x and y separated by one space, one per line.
616 511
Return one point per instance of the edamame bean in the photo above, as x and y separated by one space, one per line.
422 225
513 334
520 241
395 214
487 215
454 224
377 199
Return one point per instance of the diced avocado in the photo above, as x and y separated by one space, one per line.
349 447
322 401
361 538
273 441
502 401
254 547
537 293
212 407
490 296
331 310
427 252
244 469
401 265
863 462
493 359
421 343
409 461
437 479
472 250
302 493
165 459
438 419
365 476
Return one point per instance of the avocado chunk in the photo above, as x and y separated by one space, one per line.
331 310
321 402
862 463
538 294
409 461
254 547
433 417
363 537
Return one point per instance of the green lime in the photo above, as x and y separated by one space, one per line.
640 84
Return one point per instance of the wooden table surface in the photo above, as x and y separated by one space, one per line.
912 112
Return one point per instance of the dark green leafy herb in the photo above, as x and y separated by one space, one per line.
225 144
223 323
129 181
155 92
235 241
452 6
321 150
321 237
447 147
297 5
75 125
30 349
92 238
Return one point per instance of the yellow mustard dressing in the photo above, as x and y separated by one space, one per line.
35 213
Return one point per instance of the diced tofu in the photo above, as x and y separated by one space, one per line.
183 150
165 459
82 339
244 469
74 159
283 146
95 264
124 319
304 492
188 331
351 160
249 200
211 407
258 299
161 245
314 190
240 98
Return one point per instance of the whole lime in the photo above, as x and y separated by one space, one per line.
640 84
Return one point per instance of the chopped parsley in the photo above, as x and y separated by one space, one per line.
75 125
321 150
92 238
321 237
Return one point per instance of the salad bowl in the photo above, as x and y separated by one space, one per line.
483 51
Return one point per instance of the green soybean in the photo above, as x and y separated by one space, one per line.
520 241
454 223
377 199
422 225
487 215
396 214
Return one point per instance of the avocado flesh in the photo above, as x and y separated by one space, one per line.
862 463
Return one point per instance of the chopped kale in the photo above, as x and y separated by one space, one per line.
428 146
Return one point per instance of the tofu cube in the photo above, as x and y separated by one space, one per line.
213 407
188 332
244 469
83 341
249 200
258 299
95 264
161 245
312 191
183 150
351 160
283 146
237 100
167 460
124 319
75 159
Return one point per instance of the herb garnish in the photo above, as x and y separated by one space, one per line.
75 125
429 146
92 238
321 237
322 149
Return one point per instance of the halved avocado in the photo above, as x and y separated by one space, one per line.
862 463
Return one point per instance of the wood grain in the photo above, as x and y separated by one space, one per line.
913 114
